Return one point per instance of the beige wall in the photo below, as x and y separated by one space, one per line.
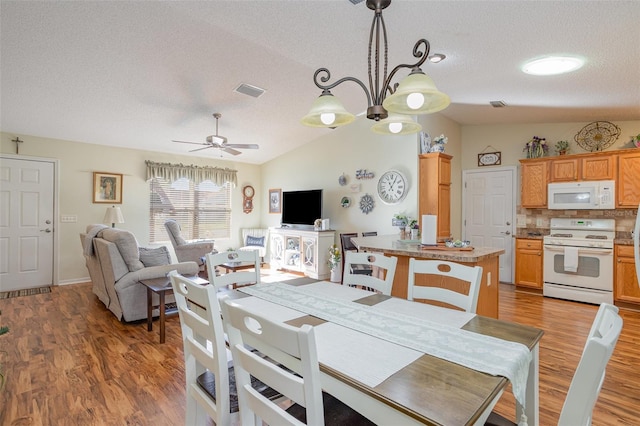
78 161
315 165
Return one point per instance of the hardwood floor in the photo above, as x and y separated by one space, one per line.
68 361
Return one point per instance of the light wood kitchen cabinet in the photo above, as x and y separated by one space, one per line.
626 282
529 263
600 166
533 191
564 170
628 182
435 190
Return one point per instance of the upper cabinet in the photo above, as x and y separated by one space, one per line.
628 182
533 191
435 190
598 166
623 166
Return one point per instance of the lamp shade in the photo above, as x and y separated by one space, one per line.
416 94
327 111
113 216
396 124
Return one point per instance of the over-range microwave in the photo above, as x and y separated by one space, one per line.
585 195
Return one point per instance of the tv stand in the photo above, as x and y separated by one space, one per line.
300 250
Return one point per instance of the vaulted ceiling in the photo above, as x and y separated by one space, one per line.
140 73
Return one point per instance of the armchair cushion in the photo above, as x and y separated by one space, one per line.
127 246
255 241
154 256
173 229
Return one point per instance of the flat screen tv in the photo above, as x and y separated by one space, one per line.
301 207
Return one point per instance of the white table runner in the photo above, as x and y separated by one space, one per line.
476 351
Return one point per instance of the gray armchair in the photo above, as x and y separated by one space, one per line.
187 251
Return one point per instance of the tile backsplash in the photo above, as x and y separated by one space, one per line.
538 219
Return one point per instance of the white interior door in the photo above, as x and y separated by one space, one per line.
489 211
26 223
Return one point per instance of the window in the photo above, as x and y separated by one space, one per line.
203 211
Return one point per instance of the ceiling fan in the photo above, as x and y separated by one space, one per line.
220 142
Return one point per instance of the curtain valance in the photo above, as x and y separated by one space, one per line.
197 174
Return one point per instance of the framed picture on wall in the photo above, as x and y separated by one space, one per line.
107 188
275 202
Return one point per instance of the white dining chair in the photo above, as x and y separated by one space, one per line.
590 373
292 369
209 371
385 265
201 322
439 269
236 279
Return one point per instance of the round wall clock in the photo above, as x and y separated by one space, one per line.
366 203
392 187
597 136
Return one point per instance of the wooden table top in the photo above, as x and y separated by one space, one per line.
392 245
435 391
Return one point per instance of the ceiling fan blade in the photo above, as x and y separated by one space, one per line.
193 143
242 145
200 149
230 150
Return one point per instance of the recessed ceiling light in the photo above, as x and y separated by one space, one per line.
437 57
552 65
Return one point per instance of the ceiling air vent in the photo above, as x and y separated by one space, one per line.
247 89
498 104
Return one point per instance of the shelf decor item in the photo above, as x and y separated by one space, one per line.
537 147
438 144
366 204
334 263
597 136
562 147
274 200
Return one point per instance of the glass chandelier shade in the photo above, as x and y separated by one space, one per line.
327 111
396 124
416 94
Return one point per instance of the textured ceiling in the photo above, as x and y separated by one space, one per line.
139 74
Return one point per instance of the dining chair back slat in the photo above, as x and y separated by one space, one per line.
470 274
238 278
385 265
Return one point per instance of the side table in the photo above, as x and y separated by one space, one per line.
162 286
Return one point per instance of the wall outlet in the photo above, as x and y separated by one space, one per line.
539 221
521 220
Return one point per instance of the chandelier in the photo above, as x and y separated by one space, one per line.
415 94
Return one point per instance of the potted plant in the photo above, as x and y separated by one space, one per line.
636 140
537 147
562 147
438 144
413 228
334 263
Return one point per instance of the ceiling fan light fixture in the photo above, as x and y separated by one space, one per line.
552 65
416 94
327 111
396 124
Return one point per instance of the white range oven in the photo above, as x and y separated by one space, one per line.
578 260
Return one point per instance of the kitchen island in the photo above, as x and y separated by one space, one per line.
486 257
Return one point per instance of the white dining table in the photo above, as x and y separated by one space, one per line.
387 358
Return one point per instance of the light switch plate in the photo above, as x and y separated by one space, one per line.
521 220
68 218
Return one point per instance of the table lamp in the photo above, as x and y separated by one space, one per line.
113 216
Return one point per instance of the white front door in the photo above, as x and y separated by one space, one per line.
489 211
26 223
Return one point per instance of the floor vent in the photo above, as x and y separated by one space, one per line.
247 89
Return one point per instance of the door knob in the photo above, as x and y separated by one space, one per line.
48 222
45 230
508 223
506 233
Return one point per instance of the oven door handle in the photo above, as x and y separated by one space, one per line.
582 249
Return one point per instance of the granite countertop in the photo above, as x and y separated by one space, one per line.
392 245
622 238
